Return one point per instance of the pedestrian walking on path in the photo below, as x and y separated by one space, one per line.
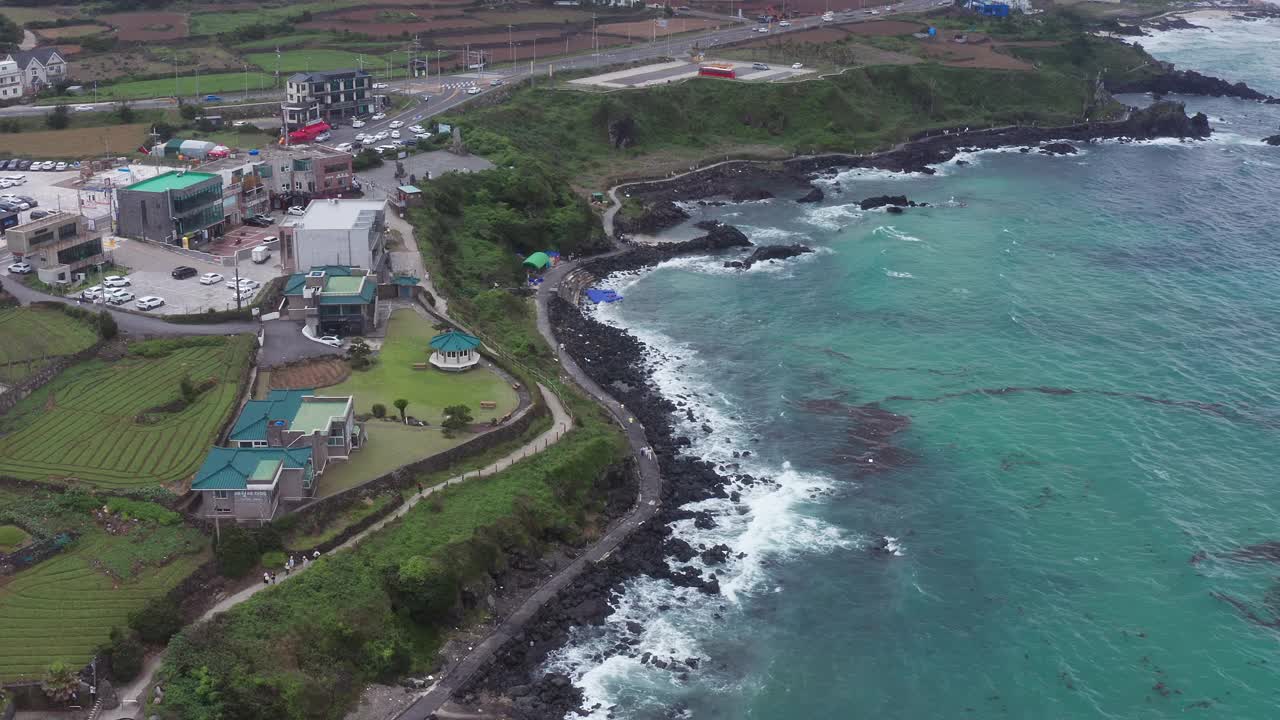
266 579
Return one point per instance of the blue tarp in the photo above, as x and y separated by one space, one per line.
599 296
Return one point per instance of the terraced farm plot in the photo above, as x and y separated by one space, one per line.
32 335
292 61
85 425
66 606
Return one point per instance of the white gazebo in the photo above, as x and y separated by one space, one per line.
455 351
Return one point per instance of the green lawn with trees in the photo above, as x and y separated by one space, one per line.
125 423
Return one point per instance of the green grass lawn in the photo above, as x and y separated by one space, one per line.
34 334
352 515
65 607
101 423
391 445
188 86
292 61
429 391
12 537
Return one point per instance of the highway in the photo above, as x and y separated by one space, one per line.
449 98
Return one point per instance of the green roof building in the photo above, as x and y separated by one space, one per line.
180 208
333 300
455 351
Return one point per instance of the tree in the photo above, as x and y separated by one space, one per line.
125 654
367 159
186 389
457 417
59 119
189 112
236 553
401 404
423 586
107 328
158 621
61 681
126 114
358 355
379 410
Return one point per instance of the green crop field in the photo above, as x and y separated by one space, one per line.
34 334
187 86
85 425
292 61
12 537
214 23
64 607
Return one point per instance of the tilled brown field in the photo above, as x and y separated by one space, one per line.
143 26
318 373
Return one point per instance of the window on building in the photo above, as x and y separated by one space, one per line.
83 251
221 494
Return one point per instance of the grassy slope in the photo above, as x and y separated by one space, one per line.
32 334
83 424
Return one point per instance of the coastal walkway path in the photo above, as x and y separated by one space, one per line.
647 503
132 695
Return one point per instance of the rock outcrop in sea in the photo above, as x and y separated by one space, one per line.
769 252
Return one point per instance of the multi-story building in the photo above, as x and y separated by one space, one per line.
10 80
57 245
244 186
279 450
332 96
337 232
298 174
181 208
333 300
40 68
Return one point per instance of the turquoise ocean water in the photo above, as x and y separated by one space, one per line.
1043 540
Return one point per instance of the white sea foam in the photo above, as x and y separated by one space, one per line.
894 233
832 217
767 234
859 174
896 274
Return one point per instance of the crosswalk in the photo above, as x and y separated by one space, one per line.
458 85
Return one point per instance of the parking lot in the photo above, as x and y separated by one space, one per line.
150 267
662 73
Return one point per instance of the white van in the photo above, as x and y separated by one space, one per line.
16 179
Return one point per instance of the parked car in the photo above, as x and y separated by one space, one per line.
182 272
473 91
9 164
149 302
344 147
212 98
395 124
9 207
246 294
423 136
115 281
379 116
91 293
395 134
258 221
357 123
384 148
210 279
37 214
84 108
60 167
331 340
118 296
243 284
323 137
24 165
264 218
382 135
296 210
20 268
416 129
14 199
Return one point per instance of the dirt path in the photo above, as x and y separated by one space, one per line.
131 695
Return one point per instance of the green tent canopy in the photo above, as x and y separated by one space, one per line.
454 341
537 261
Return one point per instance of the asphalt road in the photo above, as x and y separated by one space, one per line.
449 99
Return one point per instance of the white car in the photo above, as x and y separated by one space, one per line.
380 86
149 302
331 340
344 147
115 281
244 283
417 129
422 136
395 124
875 12
785 23
20 268
379 116
240 123
92 293
210 279
60 167
246 293
4 183
763 29
382 135
297 210
22 204
384 148
496 82
84 108
118 297
473 91
357 123
395 134
361 137
796 66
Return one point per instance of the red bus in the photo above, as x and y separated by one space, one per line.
720 71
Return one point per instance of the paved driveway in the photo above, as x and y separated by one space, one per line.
283 342
150 267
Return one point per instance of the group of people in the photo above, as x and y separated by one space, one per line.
269 577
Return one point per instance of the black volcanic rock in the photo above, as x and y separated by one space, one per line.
771 252
1273 140
1185 82
750 194
654 218
882 200
1059 148
814 195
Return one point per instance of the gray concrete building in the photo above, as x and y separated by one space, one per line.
180 208
58 245
337 232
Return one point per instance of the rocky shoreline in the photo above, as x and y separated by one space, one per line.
738 179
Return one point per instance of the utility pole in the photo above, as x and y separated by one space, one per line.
511 48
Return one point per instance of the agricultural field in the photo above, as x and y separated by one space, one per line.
186 86
33 335
292 61
123 424
147 26
213 23
75 143
69 32
64 607
24 15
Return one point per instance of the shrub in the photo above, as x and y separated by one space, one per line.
59 119
401 404
124 654
60 682
186 390
273 559
236 553
367 159
457 417
379 410
158 621
144 511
